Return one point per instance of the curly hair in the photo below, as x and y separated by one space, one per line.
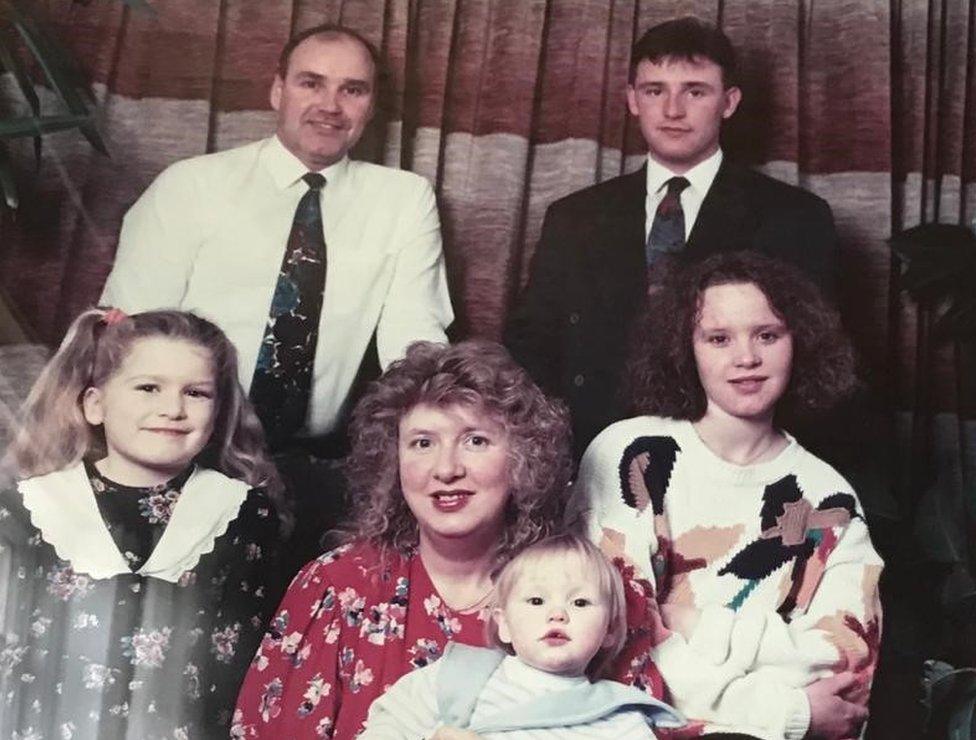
661 378
55 434
476 373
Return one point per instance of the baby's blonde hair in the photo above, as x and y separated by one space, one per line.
608 577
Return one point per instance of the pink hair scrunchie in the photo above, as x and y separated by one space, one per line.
114 316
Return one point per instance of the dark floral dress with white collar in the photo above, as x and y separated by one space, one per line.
131 655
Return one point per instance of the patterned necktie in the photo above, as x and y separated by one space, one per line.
282 383
668 229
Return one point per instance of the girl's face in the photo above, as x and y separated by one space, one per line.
556 617
454 471
158 410
743 350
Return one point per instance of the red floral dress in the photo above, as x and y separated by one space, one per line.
349 627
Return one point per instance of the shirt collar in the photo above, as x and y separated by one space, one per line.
523 674
700 177
286 169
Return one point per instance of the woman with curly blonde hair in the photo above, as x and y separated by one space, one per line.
458 460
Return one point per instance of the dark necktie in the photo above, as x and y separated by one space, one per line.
668 228
282 383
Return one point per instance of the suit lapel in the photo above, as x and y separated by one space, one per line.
725 219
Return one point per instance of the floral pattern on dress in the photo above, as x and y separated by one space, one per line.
157 508
129 656
317 688
66 585
353 621
444 617
147 647
424 652
223 642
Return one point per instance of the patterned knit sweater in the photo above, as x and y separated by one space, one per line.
774 558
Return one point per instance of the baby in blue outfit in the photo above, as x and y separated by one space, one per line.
557 620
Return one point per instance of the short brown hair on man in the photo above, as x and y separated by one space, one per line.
326 31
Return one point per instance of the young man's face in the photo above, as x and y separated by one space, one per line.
325 100
681 105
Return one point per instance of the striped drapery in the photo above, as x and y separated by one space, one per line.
508 104
505 105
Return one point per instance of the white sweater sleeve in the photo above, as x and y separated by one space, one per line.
746 668
620 531
407 710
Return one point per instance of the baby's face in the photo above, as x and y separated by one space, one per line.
556 617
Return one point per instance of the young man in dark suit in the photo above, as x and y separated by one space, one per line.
602 246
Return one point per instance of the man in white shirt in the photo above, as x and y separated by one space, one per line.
210 233
602 246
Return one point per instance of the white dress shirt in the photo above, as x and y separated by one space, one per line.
209 234
700 179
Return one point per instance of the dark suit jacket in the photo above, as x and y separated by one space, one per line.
570 327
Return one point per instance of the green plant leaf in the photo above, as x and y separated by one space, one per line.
940 270
90 132
13 63
934 684
11 128
961 717
57 66
8 186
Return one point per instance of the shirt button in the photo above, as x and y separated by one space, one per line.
574 318
578 380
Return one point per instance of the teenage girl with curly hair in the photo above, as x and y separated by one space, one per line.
765 575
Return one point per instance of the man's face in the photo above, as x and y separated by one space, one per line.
325 100
681 105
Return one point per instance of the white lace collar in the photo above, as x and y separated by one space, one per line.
62 506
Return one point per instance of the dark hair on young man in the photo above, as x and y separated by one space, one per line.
686 39
327 31
662 375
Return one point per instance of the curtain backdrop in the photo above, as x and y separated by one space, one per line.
506 105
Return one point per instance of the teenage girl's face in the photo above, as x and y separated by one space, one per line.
158 410
556 617
744 352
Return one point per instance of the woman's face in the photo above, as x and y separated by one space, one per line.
454 471
743 350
